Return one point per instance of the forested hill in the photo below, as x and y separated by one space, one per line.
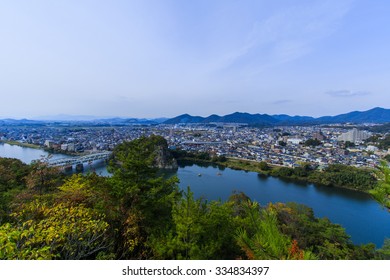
375 115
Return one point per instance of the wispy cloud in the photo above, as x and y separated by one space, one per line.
347 93
286 34
282 101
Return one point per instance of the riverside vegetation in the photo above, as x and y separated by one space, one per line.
135 214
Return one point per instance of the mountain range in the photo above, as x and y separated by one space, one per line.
375 115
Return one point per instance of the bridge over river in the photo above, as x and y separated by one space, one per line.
79 161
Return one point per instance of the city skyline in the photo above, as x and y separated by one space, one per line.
150 59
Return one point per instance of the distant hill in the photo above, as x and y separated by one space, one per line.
295 119
212 118
20 122
185 119
249 119
232 118
375 115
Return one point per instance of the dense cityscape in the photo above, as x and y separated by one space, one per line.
282 145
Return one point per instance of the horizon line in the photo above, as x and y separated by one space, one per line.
93 118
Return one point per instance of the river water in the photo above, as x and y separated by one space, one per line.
362 217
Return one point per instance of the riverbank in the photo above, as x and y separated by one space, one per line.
48 150
16 143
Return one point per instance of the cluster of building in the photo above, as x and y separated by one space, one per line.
354 135
286 146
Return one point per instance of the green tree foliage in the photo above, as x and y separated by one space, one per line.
301 172
200 230
384 128
59 231
141 194
381 192
348 176
12 174
222 158
334 175
284 172
67 223
262 240
260 235
135 177
42 177
312 142
218 159
264 166
282 143
90 190
196 156
384 143
58 225
349 144
385 250
320 236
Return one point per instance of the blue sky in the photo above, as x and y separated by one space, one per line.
162 58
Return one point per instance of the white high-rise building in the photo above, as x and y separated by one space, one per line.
354 136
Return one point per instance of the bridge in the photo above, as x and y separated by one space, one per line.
79 160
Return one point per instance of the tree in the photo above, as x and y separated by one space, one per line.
319 236
188 215
200 230
43 177
135 175
69 222
385 250
12 182
348 176
141 194
283 171
312 142
264 166
282 143
222 158
60 231
381 191
349 144
264 240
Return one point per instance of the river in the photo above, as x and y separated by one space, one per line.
362 217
